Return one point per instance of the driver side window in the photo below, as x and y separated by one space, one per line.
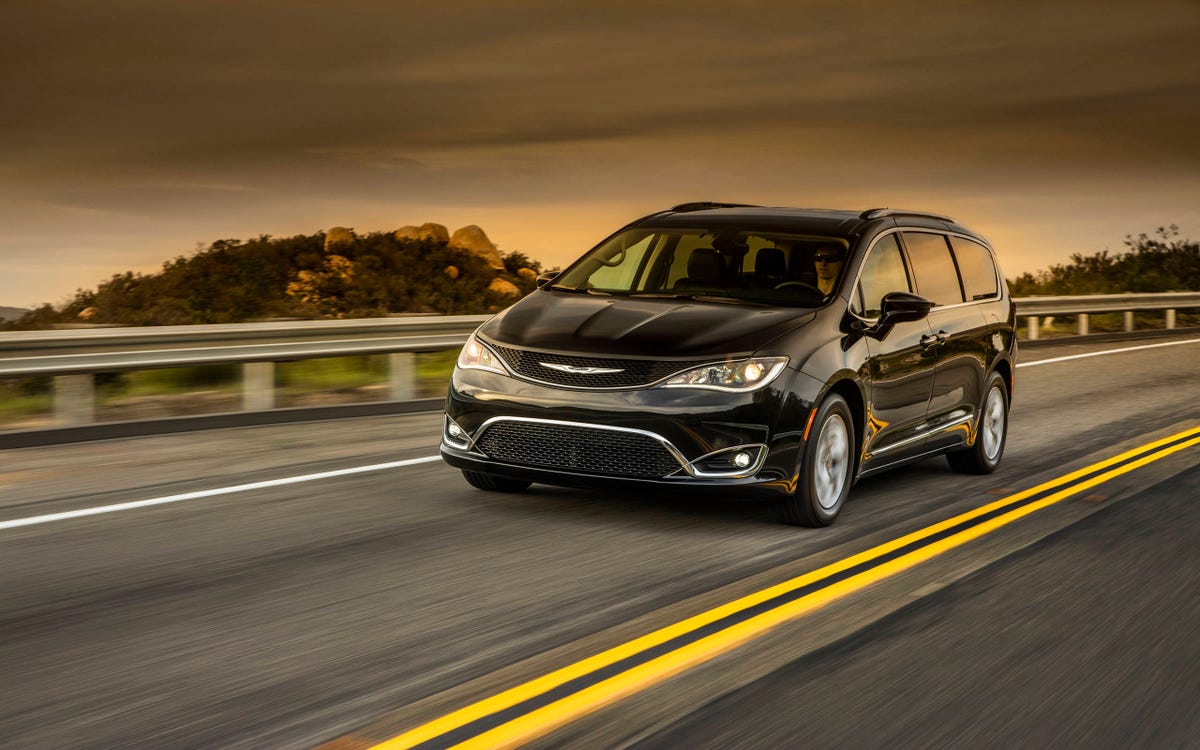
882 273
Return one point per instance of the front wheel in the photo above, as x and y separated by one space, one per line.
990 435
826 469
493 483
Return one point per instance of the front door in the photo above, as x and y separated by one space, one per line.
901 365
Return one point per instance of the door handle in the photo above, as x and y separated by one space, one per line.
930 340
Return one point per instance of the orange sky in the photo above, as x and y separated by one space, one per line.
136 130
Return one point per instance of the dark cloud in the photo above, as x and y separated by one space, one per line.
216 108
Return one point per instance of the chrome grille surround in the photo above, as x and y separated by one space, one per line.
611 373
573 446
579 446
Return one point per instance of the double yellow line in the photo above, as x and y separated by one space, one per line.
535 708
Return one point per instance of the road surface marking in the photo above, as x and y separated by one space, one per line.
1106 351
52 517
535 708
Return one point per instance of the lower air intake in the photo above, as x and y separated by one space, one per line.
577 448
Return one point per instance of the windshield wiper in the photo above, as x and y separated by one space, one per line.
577 289
700 298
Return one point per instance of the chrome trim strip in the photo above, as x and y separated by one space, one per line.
909 440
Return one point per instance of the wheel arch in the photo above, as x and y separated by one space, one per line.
1005 369
849 390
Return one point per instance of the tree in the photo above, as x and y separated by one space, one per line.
1161 262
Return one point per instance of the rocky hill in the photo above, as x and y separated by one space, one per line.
11 313
332 274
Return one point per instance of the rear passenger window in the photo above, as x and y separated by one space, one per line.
882 273
933 268
977 268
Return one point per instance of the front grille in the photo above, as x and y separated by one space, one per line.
633 372
577 448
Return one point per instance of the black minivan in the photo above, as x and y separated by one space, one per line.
762 352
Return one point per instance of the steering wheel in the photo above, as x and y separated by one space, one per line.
789 284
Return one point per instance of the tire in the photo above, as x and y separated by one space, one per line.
991 433
826 469
493 483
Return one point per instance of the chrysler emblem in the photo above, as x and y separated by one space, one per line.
582 370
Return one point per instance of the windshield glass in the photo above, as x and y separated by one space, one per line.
745 266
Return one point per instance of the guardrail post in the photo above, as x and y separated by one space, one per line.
258 386
1170 318
74 400
1129 320
1034 326
402 375
1084 326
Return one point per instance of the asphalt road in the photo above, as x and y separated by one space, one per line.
1086 639
289 615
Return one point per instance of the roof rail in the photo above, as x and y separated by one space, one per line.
703 205
879 213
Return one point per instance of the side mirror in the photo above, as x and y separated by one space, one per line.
902 307
545 278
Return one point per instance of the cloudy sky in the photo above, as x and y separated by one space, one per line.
135 130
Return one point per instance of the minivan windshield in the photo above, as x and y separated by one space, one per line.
712 265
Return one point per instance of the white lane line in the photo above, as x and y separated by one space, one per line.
51 517
1106 351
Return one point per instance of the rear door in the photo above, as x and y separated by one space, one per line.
961 330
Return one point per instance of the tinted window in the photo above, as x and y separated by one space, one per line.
618 271
762 267
933 268
976 268
882 273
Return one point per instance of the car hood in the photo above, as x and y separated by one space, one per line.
572 322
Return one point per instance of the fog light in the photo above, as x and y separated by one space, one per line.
454 430
742 459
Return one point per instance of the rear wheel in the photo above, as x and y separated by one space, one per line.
990 435
493 483
826 468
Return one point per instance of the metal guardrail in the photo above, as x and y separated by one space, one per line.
73 356
1033 309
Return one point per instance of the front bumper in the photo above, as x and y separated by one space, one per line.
749 488
691 425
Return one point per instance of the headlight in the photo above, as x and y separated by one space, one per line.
742 375
476 355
